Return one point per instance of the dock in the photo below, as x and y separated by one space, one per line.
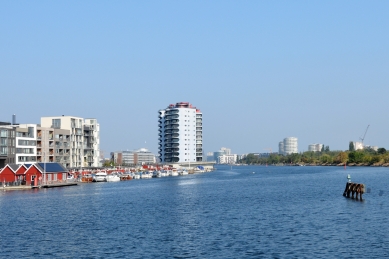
53 185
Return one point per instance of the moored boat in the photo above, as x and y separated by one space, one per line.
100 177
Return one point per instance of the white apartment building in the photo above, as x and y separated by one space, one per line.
227 159
288 146
315 147
281 148
180 133
91 143
84 139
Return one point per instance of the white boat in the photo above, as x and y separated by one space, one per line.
70 178
136 176
113 177
146 175
174 173
100 177
156 174
183 172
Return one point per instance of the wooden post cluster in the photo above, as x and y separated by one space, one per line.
354 188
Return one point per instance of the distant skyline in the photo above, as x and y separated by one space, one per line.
259 71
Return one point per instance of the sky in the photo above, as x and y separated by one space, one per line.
259 71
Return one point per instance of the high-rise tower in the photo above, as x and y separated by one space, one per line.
180 133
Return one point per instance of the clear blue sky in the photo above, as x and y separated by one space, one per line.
258 70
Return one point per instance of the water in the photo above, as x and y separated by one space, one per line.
276 212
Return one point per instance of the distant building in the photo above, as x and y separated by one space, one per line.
358 145
133 157
375 148
281 149
223 156
315 147
288 146
227 159
180 133
210 157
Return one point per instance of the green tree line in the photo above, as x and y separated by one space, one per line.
325 157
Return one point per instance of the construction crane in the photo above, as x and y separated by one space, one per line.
364 135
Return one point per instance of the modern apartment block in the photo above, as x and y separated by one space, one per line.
180 133
91 143
78 138
288 146
7 144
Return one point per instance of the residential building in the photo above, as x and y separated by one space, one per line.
288 146
281 149
91 143
26 143
227 159
210 157
83 139
7 144
358 145
180 133
315 147
135 157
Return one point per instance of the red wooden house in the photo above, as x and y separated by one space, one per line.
8 174
43 173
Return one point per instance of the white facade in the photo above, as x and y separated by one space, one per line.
227 159
180 133
358 145
281 148
91 143
25 144
290 145
315 147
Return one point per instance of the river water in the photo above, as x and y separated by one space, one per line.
238 212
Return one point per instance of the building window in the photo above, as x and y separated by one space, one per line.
56 123
3 133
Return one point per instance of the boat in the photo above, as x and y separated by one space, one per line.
156 174
87 178
183 172
174 172
100 177
136 176
113 177
70 178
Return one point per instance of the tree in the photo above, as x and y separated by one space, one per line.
356 157
381 150
351 146
322 148
327 149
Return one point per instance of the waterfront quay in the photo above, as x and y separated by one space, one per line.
51 175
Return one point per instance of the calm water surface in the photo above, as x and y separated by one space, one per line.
276 212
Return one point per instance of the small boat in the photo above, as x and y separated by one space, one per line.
70 178
100 177
136 176
87 178
113 177
183 172
174 173
156 174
